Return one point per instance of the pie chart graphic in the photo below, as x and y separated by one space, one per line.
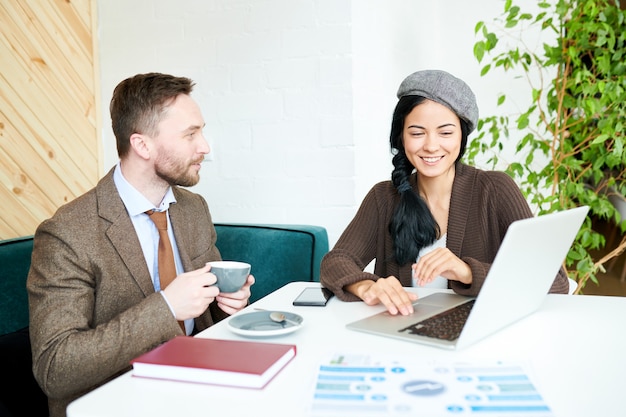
423 388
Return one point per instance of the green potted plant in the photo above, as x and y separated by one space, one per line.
570 139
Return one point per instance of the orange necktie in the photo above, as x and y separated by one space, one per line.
167 266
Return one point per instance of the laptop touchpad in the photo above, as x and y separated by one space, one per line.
422 311
441 299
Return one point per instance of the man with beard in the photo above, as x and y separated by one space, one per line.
95 295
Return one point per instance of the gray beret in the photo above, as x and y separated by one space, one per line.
445 89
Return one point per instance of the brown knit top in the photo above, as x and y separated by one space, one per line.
482 206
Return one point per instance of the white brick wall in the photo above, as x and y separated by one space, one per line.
297 94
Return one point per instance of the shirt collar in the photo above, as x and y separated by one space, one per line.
135 202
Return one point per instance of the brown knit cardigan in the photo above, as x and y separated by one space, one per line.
482 206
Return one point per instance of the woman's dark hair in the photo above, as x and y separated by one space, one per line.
412 225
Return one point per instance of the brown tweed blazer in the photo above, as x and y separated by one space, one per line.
92 304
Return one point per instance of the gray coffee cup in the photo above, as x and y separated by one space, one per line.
231 275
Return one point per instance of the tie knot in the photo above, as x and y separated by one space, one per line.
159 218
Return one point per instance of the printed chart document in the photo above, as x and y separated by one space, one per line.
364 385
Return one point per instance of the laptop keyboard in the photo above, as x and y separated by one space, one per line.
446 325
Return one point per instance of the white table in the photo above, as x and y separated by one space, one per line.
576 346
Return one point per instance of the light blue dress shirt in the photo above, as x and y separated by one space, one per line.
136 206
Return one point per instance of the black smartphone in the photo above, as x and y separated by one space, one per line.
313 296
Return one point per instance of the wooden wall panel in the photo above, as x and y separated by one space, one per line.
50 149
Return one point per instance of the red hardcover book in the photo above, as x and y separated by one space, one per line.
215 361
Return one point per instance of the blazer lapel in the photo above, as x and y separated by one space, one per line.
177 219
121 233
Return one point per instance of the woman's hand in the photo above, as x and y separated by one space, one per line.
441 261
387 291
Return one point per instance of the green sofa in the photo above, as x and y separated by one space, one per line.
279 254
21 395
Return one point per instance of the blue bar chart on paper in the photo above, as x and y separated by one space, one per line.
360 384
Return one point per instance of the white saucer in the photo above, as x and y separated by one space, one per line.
259 324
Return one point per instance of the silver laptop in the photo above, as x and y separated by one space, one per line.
521 275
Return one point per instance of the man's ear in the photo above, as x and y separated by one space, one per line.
140 145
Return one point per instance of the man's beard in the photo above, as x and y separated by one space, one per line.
177 174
